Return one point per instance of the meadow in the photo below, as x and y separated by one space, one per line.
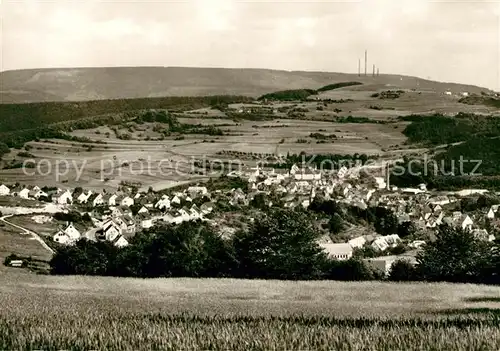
50 313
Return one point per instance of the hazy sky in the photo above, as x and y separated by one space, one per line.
455 41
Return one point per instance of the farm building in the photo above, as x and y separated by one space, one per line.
4 190
339 252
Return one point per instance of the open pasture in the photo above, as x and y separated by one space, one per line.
47 312
418 101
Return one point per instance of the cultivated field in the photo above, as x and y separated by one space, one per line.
47 312
106 161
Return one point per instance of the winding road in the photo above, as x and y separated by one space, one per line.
29 232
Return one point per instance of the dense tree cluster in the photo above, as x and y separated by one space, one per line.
289 95
338 85
479 169
27 116
303 94
481 100
281 244
384 220
439 129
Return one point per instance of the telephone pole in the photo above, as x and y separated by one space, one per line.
373 74
359 67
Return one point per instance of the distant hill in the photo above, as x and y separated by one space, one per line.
82 84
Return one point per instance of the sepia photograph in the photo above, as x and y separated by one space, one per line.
250 175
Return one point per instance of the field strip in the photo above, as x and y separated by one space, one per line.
26 231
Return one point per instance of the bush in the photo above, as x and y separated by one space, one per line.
456 256
191 249
402 271
352 270
289 95
280 245
85 258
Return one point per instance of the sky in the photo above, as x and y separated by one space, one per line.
452 41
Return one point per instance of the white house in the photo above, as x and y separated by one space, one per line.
61 238
72 232
38 194
67 236
121 242
305 203
339 252
24 194
184 214
468 192
163 203
492 211
143 210
112 200
168 218
194 213
416 244
384 242
116 212
147 223
109 231
206 208
129 223
412 191
120 222
465 222
380 181
176 200
63 199
178 219
358 242
342 172
83 198
98 200
195 191
127 201
439 200
4 190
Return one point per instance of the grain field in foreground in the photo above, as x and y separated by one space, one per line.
81 313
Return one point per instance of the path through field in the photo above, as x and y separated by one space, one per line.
28 232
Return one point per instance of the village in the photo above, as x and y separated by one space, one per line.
116 217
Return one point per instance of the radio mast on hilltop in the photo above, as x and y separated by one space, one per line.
366 61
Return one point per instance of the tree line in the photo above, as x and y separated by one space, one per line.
303 94
21 123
